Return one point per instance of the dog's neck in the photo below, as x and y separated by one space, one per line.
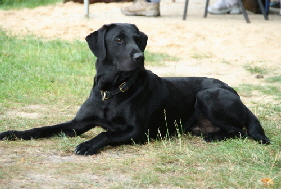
112 81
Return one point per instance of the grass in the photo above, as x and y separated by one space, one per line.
225 62
31 68
53 69
52 78
201 55
270 87
273 90
256 69
19 4
158 59
274 79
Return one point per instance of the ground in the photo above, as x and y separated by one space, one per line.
218 46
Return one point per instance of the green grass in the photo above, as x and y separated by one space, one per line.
18 4
273 90
57 76
201 55
256 69
158 59
37 71
274 79
40 71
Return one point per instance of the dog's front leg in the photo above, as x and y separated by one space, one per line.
70 128
104 139
91 147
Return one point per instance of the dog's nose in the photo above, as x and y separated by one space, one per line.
138 57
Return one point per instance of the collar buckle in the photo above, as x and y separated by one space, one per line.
122 87
104 95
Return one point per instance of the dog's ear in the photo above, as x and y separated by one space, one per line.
143 41
96 42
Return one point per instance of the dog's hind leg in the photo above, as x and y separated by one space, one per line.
201 126
223 135
223 111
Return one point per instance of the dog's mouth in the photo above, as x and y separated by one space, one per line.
129 66
130 62
136 70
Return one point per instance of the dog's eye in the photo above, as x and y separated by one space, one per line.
119 40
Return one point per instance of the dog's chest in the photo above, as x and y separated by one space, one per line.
113 114
108 113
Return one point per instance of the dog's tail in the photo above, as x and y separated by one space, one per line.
254 128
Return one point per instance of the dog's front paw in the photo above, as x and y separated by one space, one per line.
85 148
8 135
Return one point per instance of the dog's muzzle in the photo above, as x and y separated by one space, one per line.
138 57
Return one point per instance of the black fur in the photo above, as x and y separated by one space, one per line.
132 103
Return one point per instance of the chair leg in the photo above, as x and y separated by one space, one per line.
244 11
206 8
267 2
185 9
263 10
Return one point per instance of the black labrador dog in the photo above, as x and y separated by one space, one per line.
133 104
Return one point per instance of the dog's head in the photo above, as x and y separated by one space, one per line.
121 45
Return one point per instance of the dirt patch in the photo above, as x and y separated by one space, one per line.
23 114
